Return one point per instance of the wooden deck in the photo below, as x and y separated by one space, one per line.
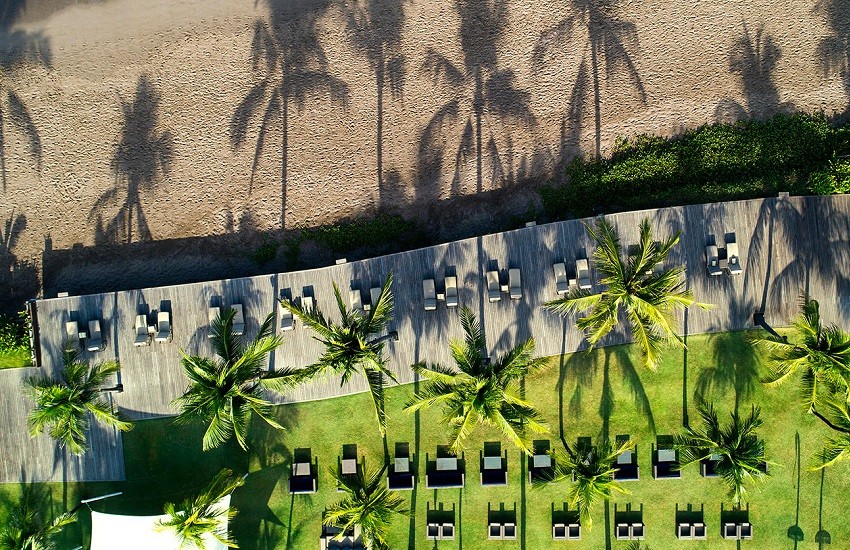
786 246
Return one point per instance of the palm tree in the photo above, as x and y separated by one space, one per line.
738 452
367 504
591 468
225 391
647 296
837 448
197 520
64 405
26 528
351 347
822 355
482 392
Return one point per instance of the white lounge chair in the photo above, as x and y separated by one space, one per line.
712 260
494 291
307 303
429 290
375 295
561 284
238 320
733 259
95 340
451 291
583 274
141 327
355 298
72 334
163 327
287 321
515 283
213 313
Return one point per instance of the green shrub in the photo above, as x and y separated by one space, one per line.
382 232
266 251
717 162
14 341
832 180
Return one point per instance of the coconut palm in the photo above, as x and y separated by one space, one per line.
738 451
65 406
478 391
367 504
591 467
27 529
821 355
225 391
648 296
837 448
199 520
351 346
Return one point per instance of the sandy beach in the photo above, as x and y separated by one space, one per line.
161 120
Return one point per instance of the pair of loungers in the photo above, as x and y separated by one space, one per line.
563 284
717 259
430 296
495 287
161 332
93 338
355 298
214 312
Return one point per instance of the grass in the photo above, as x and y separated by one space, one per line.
581 394
14 359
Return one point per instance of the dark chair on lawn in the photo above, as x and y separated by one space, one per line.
446 470
629 523
304 478
540 465
348 464
708 466
665 459
501 523
400 475
626 466
565 524
690 523
350 540
735 523
494 465
440 523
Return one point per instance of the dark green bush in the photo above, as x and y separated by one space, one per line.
266 251
717 162
13 335
380 233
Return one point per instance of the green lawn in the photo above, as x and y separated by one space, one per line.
583 394
15 359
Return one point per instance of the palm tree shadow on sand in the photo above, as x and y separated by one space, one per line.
375 28
484 93
289 64
18 49
606 44
833 51
142 154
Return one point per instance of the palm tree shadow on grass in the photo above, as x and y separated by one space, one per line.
18 49
481 89
289 64
735 370
142 154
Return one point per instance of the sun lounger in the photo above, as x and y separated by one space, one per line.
451 291
515 284
494 292
733 260
400 475
429 290
141 327
287 321
375 295
665 461
561 283
304 477
163 326
307 303
238 320
355 299
95 340
72 334
213 313
712 260
583 274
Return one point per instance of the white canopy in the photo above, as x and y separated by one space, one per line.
111 531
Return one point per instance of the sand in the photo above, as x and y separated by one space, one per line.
140 119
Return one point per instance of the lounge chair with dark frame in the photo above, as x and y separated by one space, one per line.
494 465
348 463
400 474
540 466
440 523
304 477
95 339
350 539
626 466
665 459
690 523
446 470
629 523
429 292
735 523
708 466
451 291
566 524
733 259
